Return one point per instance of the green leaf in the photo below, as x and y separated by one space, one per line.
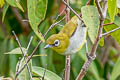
24 75
15 3
36 13
115 34
40 9
112 6
16 51
5 8
93 69
116 70
46 59
91 20
118 3
48 75
101 42
1 3
12 58
2 35
19 6
42 58
117 21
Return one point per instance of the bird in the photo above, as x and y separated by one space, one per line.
70 39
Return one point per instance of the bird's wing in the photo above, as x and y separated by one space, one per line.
70 26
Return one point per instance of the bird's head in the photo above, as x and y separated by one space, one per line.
58 42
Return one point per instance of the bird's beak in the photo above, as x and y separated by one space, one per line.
48 46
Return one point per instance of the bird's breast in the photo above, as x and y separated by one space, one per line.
78 39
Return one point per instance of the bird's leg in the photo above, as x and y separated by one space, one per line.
72 10
87 53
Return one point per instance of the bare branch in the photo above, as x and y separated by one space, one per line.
67 60
44 72
95 45
18 64
88 2
72 10
104 8
67 68
24 20
53 26
23 57
60 14
107 24
60 25
104 34
99 9
35 49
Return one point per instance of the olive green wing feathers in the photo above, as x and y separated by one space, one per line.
70 26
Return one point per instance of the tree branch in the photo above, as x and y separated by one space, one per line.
88 2
23 57
67 65
35 49
67 5
104 34
107 24
95 45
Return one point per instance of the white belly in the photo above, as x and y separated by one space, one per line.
77 40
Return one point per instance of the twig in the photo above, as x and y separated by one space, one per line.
67 68
23 57
25 20
67 60
86 47
27 49
100 9
107 24
35 49
60 14
88 2
53 26
104 34
44 72
94 47
31 38
17 66
104 8
60 25
72 10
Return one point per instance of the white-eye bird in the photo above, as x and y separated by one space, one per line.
70 39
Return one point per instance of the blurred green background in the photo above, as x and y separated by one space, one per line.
106 66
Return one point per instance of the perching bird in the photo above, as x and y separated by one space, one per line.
70 39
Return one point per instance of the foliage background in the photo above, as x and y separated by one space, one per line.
106 65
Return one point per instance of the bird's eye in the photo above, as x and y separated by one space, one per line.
56 42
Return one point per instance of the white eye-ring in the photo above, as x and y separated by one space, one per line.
56 43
